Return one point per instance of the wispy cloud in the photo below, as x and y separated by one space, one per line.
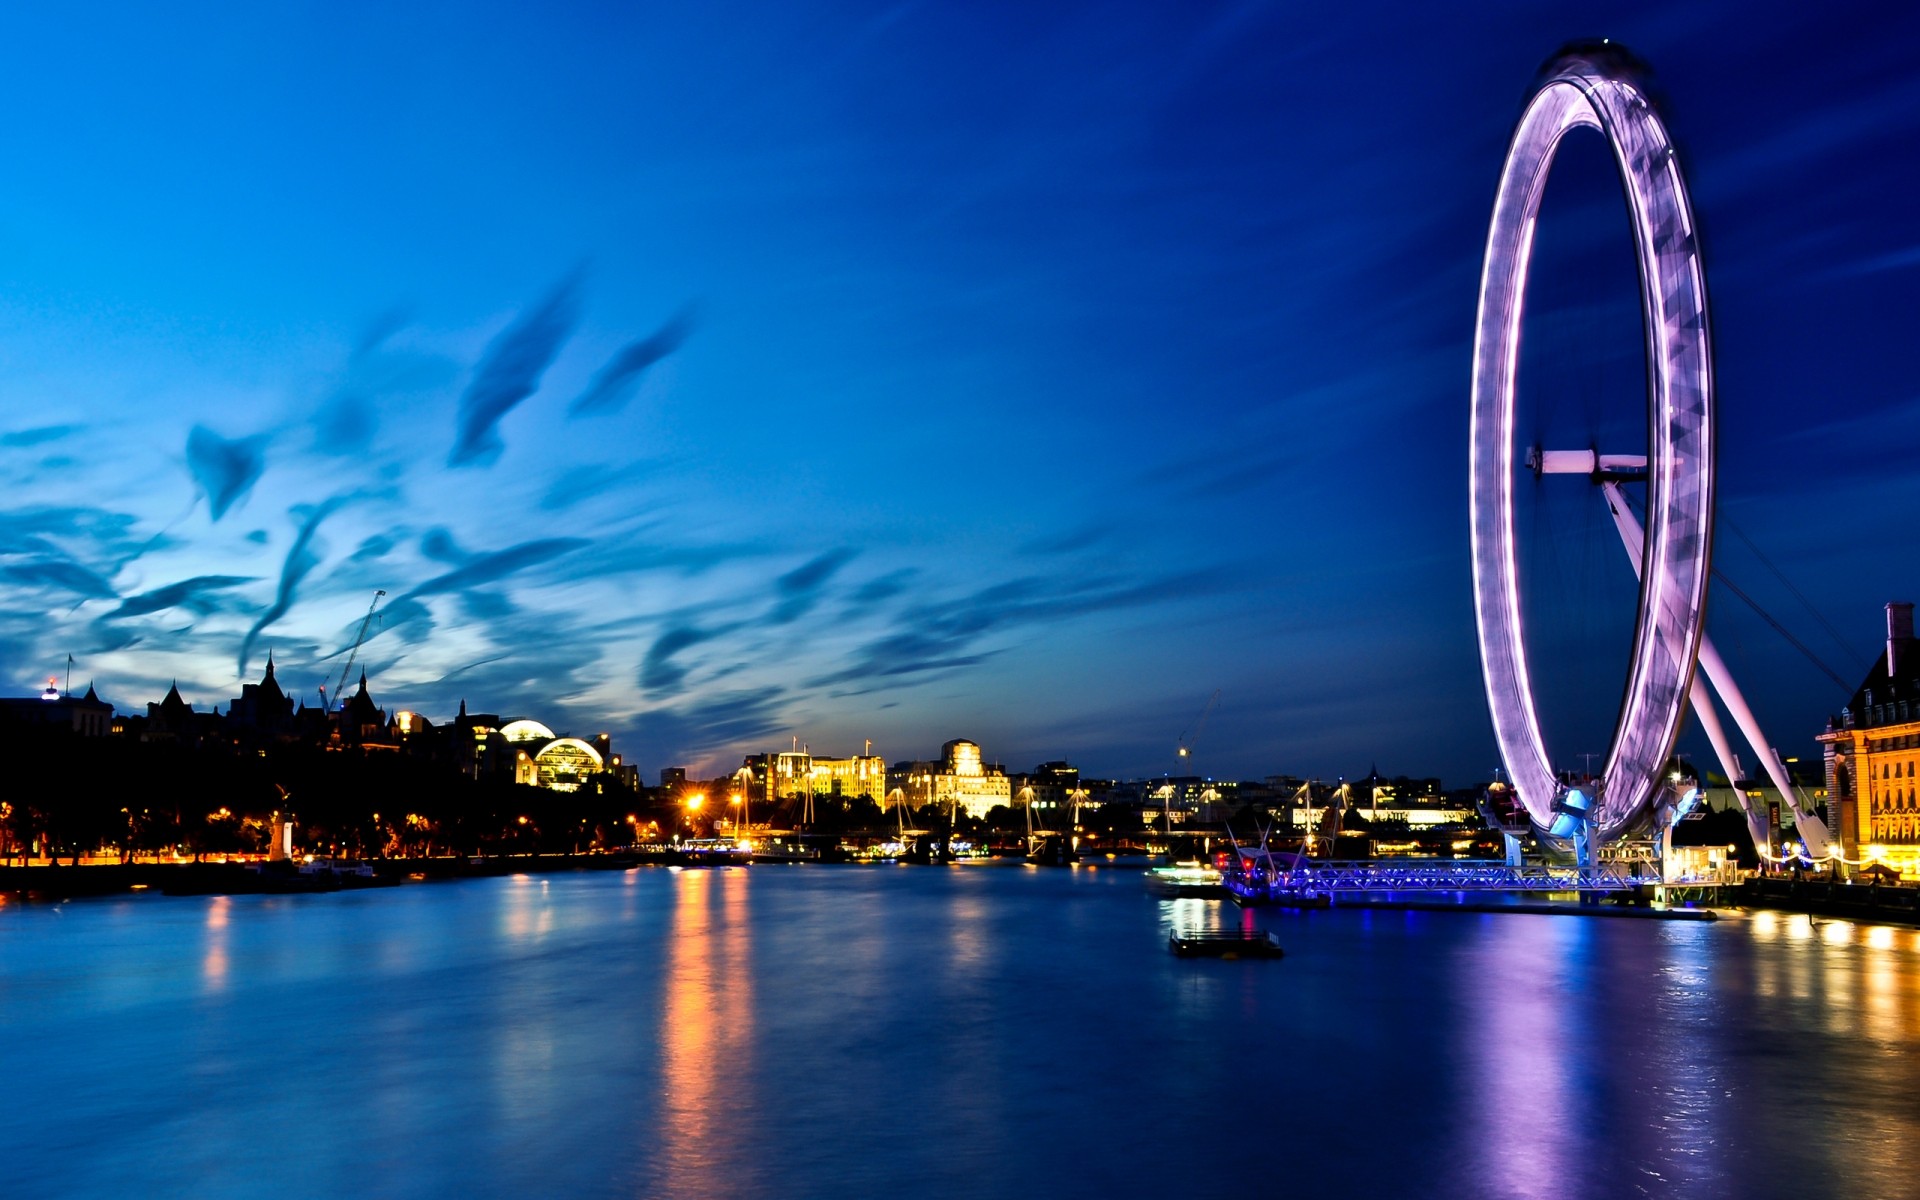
491 568
659 672
935 637
37 436
510 371
63 574
196 595
690 732
583 481
224 468
1875 264
1082 537
302 557
875 592
615 382
799 589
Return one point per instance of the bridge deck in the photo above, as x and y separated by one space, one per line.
1325 877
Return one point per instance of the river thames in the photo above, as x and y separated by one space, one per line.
980 1030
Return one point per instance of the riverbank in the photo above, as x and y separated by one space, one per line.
1824 898
65 882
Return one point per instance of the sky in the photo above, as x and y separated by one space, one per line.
723 375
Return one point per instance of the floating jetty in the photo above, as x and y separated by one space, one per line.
1230 943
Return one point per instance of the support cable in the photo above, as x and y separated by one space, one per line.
1845 687
1788 584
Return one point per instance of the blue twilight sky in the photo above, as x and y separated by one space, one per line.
717 374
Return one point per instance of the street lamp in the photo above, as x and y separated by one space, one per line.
734 802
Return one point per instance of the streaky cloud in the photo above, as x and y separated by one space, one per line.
405 618
373 546
810 575
936 637
877 591
614 383
348 420
488 568
39 435
302 557
438 544
659 672
346 424
1082 538
487 606
195 595
585 481
687 732
800 587
224 468
64 574
510 371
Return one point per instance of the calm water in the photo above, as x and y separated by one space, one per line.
969 1031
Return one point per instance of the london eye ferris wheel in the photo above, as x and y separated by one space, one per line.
1598 86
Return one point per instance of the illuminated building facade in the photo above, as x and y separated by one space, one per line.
1872 751
789 773
562 764
857 775
478 748
960 780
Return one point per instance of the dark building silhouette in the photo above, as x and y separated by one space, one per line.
87 716
262 709
173 720
363 723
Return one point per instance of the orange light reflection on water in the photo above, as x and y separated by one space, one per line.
705 1033
213 960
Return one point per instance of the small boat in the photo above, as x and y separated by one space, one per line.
713 852
1190 878
346 872
784 847
1228 943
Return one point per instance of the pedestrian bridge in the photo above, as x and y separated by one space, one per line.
1330 877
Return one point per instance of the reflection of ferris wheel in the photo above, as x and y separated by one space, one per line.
1594 87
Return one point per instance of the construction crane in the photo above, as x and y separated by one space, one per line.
1194 731
1184 757
354 653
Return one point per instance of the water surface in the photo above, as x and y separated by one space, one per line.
981 1030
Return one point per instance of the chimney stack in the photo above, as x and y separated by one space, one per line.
1899 636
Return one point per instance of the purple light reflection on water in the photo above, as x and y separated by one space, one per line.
967 1031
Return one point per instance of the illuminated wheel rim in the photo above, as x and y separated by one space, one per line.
1595 89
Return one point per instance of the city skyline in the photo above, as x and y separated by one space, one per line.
878 373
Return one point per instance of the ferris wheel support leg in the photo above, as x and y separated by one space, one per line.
1809 826
1811 829
1709 718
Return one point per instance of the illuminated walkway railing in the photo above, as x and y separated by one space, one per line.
1471 875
